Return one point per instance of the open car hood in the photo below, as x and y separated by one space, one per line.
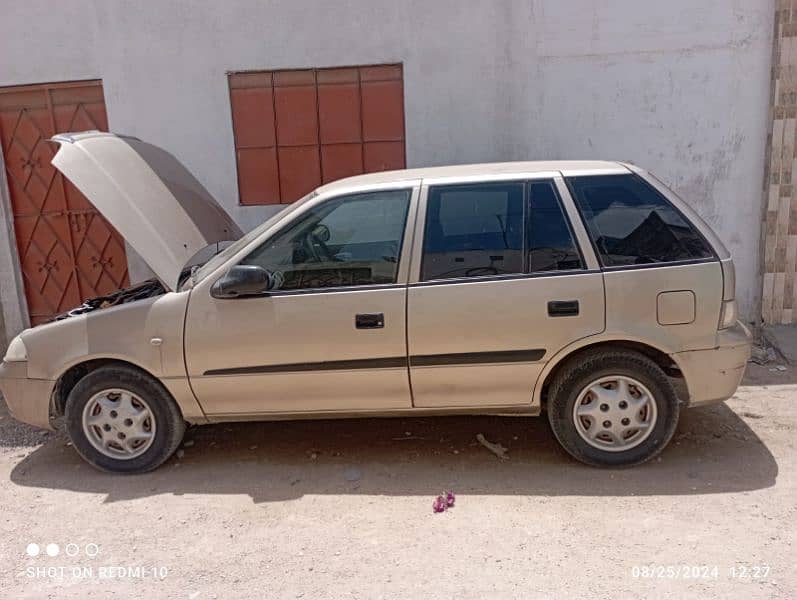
162 211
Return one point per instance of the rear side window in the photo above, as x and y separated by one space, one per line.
473 231
550 241
631 223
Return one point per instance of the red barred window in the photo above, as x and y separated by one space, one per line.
295 130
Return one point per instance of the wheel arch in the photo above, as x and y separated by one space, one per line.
660 356
72 374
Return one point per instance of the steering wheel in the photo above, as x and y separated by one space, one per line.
310 249
316 239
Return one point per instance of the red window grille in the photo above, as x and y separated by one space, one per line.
295 130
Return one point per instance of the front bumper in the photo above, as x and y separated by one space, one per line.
713 375
27 399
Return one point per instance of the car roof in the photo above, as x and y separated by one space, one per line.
566 167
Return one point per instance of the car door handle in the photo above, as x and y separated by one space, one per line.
563 308
369 321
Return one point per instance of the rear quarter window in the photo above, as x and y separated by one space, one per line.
631 223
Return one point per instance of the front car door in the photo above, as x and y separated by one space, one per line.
498 285
331 335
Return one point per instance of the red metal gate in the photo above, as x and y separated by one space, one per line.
67 250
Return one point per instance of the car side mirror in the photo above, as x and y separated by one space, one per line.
242 280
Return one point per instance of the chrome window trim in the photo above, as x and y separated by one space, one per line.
370 287
485 278
490 178
620 169
507 277
654 265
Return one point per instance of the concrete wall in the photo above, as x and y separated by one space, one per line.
679 87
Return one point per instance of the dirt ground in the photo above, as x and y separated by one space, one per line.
343 509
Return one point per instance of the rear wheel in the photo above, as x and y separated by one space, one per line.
612 408
122 420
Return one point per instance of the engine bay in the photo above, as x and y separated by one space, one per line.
140 291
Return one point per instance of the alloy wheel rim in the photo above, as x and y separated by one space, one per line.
615 413
119 424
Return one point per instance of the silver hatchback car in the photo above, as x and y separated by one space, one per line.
586 290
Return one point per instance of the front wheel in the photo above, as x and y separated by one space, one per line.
122 420
612 408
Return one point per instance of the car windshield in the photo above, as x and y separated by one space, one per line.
221 257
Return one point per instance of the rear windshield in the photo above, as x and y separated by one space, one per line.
631 223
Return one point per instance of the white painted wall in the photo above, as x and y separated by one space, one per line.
679 87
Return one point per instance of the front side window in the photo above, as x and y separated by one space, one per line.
473 231
350 240
631 223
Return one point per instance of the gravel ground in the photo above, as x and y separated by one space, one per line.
343 509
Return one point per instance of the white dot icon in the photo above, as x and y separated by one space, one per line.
32 549
72 549
53 550
92 549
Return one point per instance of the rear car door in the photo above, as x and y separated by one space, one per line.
331 334
498 285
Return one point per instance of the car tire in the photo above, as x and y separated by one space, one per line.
122 420
612 408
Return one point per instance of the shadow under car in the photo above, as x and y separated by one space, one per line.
713 451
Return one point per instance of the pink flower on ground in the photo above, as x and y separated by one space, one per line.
450 498
439 505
